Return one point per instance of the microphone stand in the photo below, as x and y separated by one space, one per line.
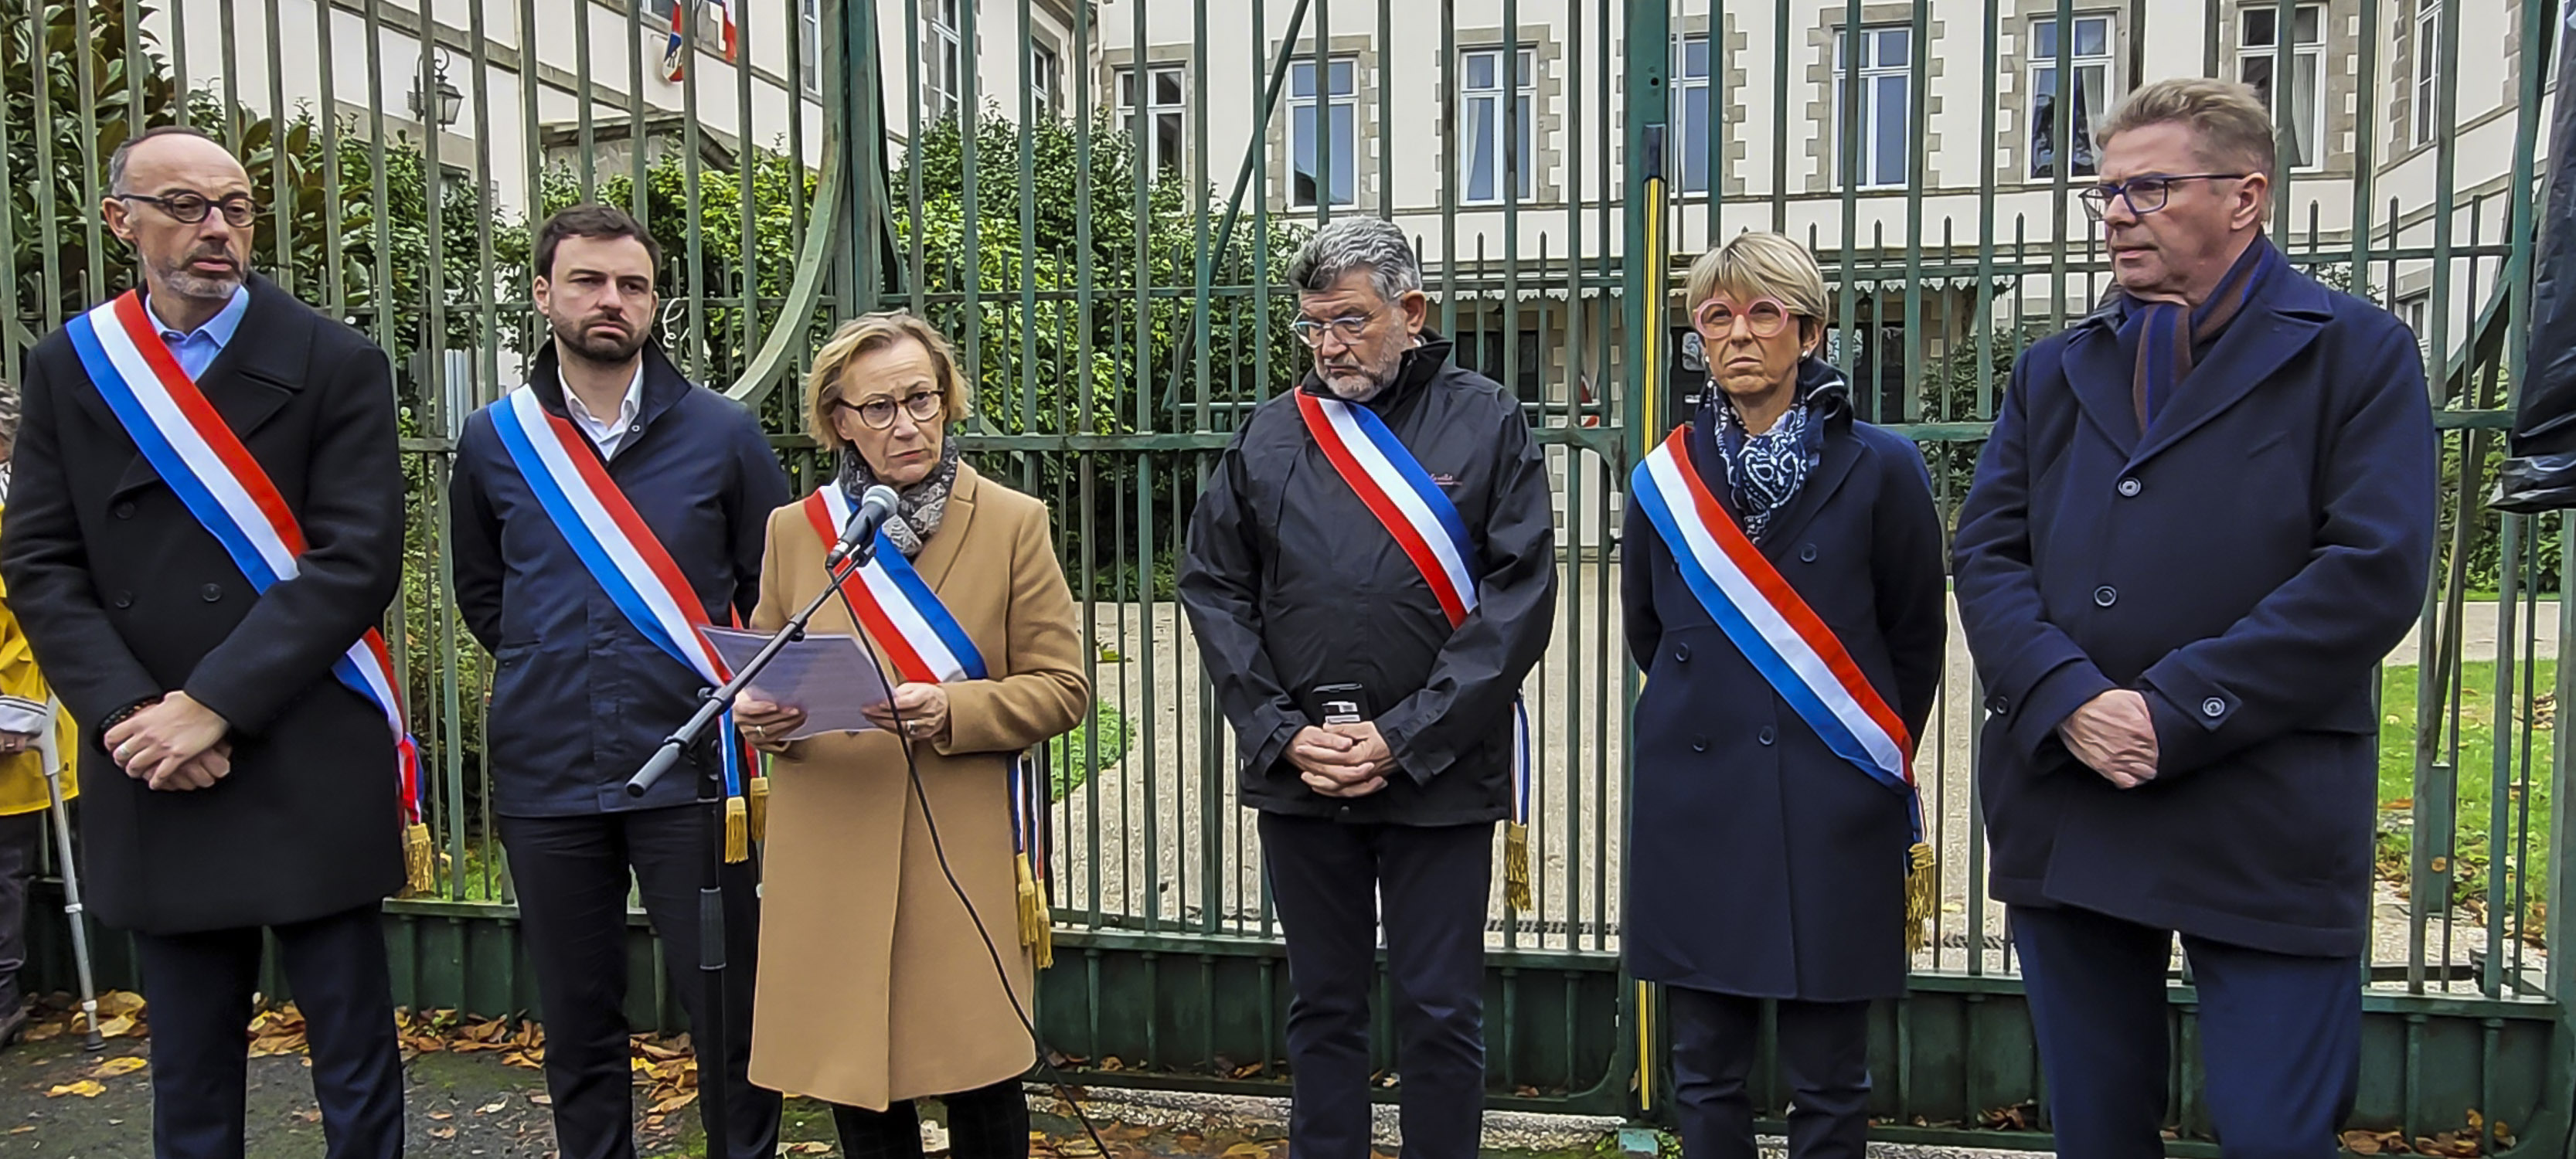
711 1040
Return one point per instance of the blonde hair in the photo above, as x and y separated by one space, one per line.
1760 265
869 332
2232 129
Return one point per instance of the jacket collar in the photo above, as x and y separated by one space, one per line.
2287 313
1827 394
939 553
664 386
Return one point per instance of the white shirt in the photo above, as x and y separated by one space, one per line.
613 432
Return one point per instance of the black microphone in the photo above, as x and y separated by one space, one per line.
874 507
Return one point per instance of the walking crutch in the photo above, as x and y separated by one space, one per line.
48 744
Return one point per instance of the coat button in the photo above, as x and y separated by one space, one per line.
1766 736
210 593
2106 595
2129 488
123 510
123 600
1807 554
2213 708
1998 705
1681 653
1699 744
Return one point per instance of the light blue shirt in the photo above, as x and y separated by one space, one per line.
196 349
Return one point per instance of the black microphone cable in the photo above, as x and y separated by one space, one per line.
912 769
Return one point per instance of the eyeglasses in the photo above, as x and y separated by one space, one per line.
1766 317
190 208
2145 195
878 413
1311 331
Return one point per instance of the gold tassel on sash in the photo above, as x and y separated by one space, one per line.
1922 894
1516 866
737 830
420 860
757 805
1037 923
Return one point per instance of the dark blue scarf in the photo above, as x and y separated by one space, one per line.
2163 348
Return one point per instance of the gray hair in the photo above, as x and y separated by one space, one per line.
1358 243
125 150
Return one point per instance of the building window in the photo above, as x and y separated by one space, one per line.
2428 69
2258 52
1046 77
2415 312
1341 118
1482 119
1879 135
943 75
809 45
2089 62
1479 347
1696 123
1155 116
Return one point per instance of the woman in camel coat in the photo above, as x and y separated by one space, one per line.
875 986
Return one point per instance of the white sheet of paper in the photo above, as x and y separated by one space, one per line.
829 676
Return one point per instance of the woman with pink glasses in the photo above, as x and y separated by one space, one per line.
1784 595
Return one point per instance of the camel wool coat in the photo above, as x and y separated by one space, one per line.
874 984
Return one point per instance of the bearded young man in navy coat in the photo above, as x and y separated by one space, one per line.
2204 515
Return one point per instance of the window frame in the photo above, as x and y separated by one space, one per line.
1321 103
2306 60
1845 37
2107 60
1524 150
809 45
1686 130
1144 119
2424 88
946 45
1046 78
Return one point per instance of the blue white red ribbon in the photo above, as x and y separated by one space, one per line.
188 444
1769 622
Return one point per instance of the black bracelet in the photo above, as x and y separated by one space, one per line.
120 716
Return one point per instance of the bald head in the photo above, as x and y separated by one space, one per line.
158 182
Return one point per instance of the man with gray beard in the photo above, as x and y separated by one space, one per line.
1371 572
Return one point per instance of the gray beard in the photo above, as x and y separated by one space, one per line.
188 283
1359 393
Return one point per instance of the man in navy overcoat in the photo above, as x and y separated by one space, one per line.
2204 516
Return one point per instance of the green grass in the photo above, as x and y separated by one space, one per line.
1070 756
2479 830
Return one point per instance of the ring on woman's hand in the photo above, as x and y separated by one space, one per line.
760 731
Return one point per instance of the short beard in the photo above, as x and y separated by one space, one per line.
1378 379
603 351
188 283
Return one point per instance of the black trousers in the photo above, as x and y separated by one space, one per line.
200 987
2280 1037
984 1123
571 874
22 836
1824 1052
1333 883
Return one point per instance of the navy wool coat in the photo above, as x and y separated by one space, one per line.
1759 863
2245 564
580 698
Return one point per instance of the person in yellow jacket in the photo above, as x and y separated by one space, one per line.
25 703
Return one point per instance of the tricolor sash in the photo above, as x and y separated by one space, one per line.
205 464
925 644
623 555
1382 471
1785 640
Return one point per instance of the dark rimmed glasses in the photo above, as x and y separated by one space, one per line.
2145 195
878 413
191 208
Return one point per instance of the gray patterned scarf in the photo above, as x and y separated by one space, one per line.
918 508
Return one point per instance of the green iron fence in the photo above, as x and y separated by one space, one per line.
1095 199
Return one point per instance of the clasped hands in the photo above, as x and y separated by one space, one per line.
173 744
1341 760
2114 735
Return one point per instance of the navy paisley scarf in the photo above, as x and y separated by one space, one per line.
1765 472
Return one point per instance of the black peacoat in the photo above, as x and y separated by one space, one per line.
2244 566
125 596
1760 863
